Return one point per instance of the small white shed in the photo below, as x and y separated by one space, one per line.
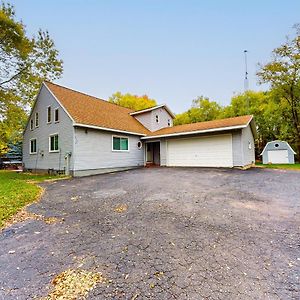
278 152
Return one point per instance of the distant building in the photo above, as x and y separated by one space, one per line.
278 152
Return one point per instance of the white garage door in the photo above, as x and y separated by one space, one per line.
278 156
209 151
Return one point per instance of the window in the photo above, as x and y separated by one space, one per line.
32 146
120 144
157 118
31 124
53 143
249 145
49 114
276 145
139 144
56 115
36 119
169 122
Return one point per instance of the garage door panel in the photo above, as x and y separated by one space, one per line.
215 151
278 156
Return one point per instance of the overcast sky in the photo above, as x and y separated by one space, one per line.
171 50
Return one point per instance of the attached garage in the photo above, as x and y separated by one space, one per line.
221 143
207 151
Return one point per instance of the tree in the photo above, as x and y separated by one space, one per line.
202 110
24 63
268 114
132 101
283 73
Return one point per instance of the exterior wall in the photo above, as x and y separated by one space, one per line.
248 154
148 119
163 152
282 146
237 148
64 129
93 152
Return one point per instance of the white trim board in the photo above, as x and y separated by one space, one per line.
195 132
107 129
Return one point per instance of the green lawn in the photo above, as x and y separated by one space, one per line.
17 190
283 166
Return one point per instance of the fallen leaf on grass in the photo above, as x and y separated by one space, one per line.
74 284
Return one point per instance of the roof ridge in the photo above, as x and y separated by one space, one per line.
85 94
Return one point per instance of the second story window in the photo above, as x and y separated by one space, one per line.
157 119
36 119
56 115
31 124
169 122
49 114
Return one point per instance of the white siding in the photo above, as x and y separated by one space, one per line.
148 119
163 152
205 151
93 150
64 128
248 154
237 149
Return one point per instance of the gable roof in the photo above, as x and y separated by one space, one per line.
202 127
137 112
277 141
90 111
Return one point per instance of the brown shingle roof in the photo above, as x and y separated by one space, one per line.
92 111
223 123
88 110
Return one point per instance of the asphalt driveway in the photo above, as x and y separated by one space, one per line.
165 233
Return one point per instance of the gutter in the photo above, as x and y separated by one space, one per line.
107 129
195 132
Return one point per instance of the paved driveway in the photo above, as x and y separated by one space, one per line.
183 234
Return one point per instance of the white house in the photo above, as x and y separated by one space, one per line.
78 134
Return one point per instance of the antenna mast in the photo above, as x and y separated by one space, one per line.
246 81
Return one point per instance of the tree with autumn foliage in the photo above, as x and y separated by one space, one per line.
283 74
24 63
131 101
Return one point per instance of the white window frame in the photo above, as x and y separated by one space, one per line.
31 124
35 146
36 118
157 118
49 122
55 109
51 135
169 122
121 137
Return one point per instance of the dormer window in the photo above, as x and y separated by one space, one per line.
49 114
56 115
169 122
36 119
157 119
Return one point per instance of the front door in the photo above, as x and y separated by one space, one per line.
153 153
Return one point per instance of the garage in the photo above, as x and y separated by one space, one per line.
204 151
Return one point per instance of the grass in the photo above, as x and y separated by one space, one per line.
18 190
281 166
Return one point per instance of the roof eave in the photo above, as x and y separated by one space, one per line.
108 129
196 132
153 108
